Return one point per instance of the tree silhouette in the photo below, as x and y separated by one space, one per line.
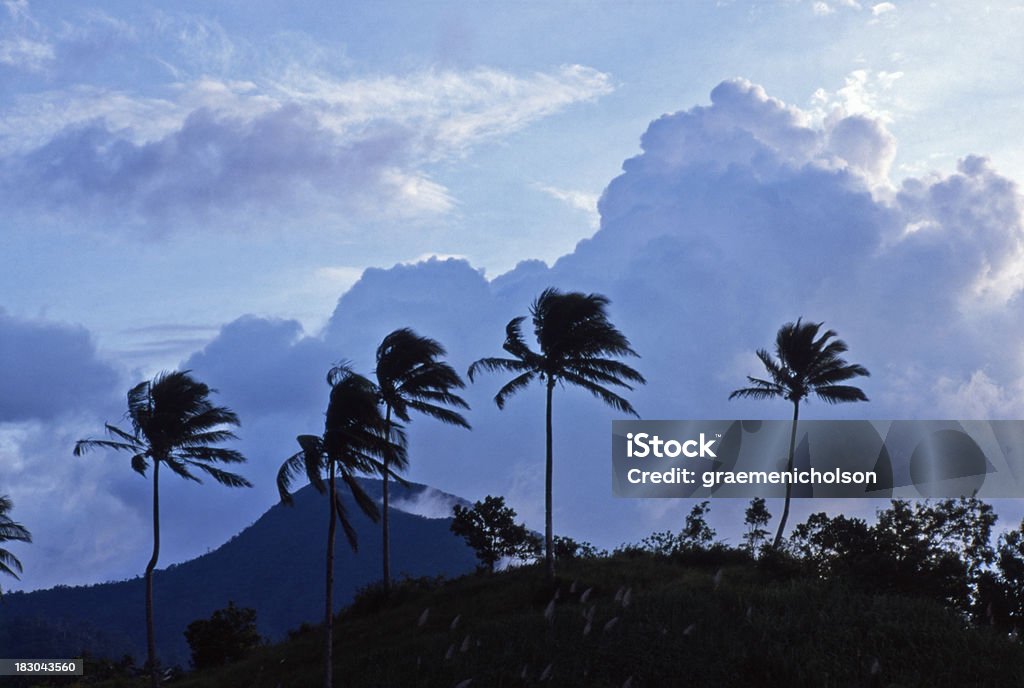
578 345
410 377
173 423
355 441
490 528
805 363
10 532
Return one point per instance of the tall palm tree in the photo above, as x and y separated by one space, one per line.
578 345
173 423
805 363
10 532
410 377
354 441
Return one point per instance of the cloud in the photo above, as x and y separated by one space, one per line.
25 53
882 8
306 141
49 369
578 200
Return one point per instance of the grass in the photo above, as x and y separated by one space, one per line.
680 625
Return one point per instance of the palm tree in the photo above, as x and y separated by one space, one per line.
354 441
411 378
10 532
173 423
578 345
804 364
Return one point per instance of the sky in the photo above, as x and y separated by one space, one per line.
256 191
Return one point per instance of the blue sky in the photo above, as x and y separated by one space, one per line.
199 184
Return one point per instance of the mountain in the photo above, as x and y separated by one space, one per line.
275 566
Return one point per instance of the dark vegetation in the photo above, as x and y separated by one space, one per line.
711 616
227 636
490 529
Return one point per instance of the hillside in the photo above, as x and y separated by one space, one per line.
275 566
712 624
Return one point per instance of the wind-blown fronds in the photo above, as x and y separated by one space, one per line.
578 346
10 531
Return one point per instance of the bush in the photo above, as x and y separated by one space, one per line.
225 637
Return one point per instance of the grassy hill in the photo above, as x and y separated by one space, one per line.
679 624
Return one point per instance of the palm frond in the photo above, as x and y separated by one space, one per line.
512 386
210 454
84 446
292 467
9 564
346 523
605 395
494 365
221 476
139 464
836 394
440 413
180 469
363 501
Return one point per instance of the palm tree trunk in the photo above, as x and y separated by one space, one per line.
385 527
789 485
329 611
150 634
549 555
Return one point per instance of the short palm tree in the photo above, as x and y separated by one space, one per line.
805 363
173 423
10 532
578 345
355 441
410 377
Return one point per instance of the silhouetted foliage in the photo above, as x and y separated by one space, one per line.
804 364
355 441
578 345
173 423
410 377
489 527
696 532
568 549
756 517
225 637
938 550
10 531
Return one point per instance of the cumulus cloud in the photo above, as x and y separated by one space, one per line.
578 200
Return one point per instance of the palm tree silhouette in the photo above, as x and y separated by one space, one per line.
174 424
355 440
804 364
10 532
576 340
411 378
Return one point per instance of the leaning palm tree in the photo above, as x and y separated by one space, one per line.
805 363
10 532
411 378
578 345
354 441
173 423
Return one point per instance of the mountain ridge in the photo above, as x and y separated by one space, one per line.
275 565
